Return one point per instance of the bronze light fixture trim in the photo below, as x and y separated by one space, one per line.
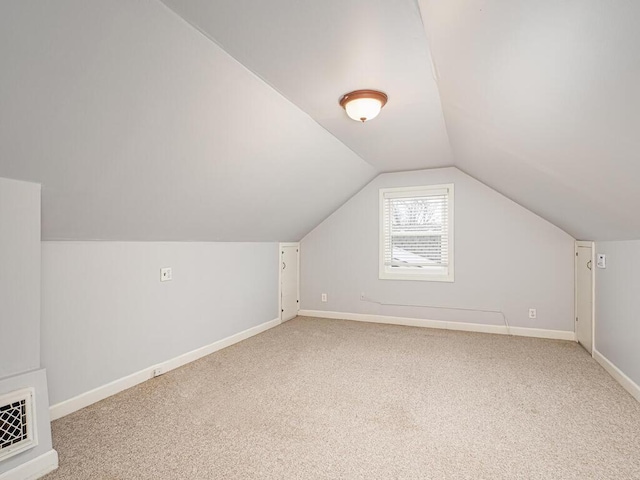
363 105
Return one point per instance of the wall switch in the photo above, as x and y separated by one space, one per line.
324 297
601 260
165 274
533 313
157 371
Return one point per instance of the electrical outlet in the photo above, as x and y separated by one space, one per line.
324 297
166 274
157 371
362 297
533 313
601 261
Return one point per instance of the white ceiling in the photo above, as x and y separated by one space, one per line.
542 102
541 99
142 128
313 52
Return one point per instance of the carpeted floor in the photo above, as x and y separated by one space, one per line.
315 399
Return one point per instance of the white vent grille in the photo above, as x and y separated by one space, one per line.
17 422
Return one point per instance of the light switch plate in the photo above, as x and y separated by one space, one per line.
165 274
602 260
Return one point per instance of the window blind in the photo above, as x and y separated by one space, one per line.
416 229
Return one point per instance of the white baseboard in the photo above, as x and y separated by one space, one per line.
420 322
85 399
543 333
628 384
36 468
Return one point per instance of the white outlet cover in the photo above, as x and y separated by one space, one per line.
601 260
533 313
324 297
166 274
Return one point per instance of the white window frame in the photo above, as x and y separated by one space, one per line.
437 274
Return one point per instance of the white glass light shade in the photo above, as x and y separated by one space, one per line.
363 105
363 109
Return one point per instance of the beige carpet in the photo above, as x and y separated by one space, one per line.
334 399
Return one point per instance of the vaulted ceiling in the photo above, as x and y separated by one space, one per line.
313 52
219 120
542 102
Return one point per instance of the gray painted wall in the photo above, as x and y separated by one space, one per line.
20 306
506 258
107 315
618 306
19 276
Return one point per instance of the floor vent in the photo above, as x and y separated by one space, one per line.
17 422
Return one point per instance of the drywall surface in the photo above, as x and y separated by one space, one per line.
19 277
139 127
315 52
618 306
107 315
38 380
541 103
20 307
506 259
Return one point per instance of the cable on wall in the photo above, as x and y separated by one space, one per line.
500 312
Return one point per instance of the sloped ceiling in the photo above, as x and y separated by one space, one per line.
316 51
542 102
142 127
541 99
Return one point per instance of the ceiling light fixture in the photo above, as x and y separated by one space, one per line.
363 105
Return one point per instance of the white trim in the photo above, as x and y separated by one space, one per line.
543 333
280 246
92 396
575 289
584 243
449 275
28 395
36 468
592 246
628 384
421 322
593 299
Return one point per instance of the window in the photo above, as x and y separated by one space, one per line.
416 233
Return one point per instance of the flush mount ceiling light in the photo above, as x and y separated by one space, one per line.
363 105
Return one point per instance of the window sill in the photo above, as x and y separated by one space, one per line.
419 277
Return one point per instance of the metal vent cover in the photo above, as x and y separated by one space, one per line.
17 422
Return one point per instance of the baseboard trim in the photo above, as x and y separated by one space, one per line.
421 322
36 468
628 384
71 405
543 333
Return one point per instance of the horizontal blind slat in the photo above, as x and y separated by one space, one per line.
416 229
